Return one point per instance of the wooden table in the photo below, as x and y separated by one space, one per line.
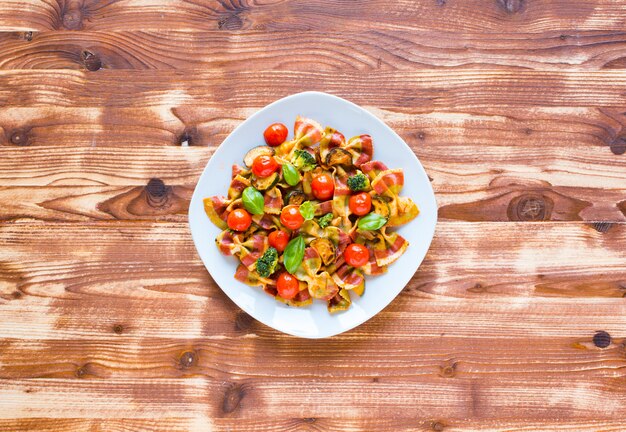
109 110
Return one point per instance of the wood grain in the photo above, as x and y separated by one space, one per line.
200 125
402 90
497 184
381 49
139 272
497 16
111 109
307 424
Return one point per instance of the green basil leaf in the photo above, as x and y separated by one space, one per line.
293 255
307 210
253 200
372 222
290 174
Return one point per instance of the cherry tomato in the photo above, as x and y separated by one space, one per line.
264 166
360 204
356 255
287 286
323 187
239 220
278 240
291 217
275 134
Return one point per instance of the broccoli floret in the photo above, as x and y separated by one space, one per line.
324 221
358 182
266 264
303 160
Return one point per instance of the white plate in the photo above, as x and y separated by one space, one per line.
314 321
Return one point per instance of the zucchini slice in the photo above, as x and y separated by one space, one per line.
338 156
266 183
255 152
295 197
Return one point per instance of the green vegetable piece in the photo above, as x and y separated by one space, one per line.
307 210
293 255
358 182
303 160
372 222
266 264
253 200
324 221
290 174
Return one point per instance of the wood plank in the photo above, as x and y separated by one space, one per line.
472 183
121 355
405 397
147 277
303 15
226 89
226 424
383 49
200 125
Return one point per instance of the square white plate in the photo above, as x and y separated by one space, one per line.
314 321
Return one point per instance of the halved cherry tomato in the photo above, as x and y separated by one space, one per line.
275 134
291 217
360 204
239 220
278 240
323 187
356 255
287 286
264 166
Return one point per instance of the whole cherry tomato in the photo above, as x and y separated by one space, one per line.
278 240
287 286
356 255
264 166
323 187
275 134
239 220
291 217
360 204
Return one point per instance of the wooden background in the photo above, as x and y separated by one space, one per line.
109 111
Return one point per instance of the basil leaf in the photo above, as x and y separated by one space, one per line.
293 255
253 200
372 222
307 210
290 174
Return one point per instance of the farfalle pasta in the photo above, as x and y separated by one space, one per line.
311 217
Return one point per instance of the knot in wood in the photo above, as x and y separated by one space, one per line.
81 372
91 61
118 329
530 207
230 22
511 6
28 36
243 321
187 359
437 426
602 339
309 420
618 146
232 397
73 19
448 369
157 194
19 137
